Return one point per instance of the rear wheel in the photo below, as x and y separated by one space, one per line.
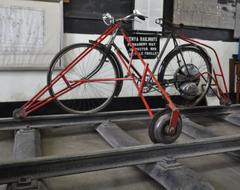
188 81
87 97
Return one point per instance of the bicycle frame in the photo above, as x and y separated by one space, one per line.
223 92
159 56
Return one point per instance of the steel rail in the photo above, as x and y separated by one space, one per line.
164 172
45 167
39 122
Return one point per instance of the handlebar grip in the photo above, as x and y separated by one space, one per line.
158 21
141 17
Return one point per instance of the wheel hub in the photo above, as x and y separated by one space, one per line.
160 130
170 131
186 80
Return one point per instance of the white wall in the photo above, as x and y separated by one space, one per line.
22 85
152 9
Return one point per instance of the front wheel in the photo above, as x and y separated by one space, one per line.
159 128
184 74
96 69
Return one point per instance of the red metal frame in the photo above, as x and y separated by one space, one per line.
175 112
223 93
36 103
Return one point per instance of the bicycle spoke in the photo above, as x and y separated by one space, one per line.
87 96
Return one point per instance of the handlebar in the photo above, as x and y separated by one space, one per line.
108 19
163 22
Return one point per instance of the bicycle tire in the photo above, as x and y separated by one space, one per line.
77 101
199 54
157 128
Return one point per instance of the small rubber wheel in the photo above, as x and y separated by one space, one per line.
158 129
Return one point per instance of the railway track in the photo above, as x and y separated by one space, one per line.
41 122
157 161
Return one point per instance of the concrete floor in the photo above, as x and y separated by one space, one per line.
222 171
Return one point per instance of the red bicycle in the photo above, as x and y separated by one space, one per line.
84 78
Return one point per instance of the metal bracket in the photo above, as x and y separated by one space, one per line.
25 184
170 164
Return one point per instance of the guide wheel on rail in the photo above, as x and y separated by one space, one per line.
19 114
159 131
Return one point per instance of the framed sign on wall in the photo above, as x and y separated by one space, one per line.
30 33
